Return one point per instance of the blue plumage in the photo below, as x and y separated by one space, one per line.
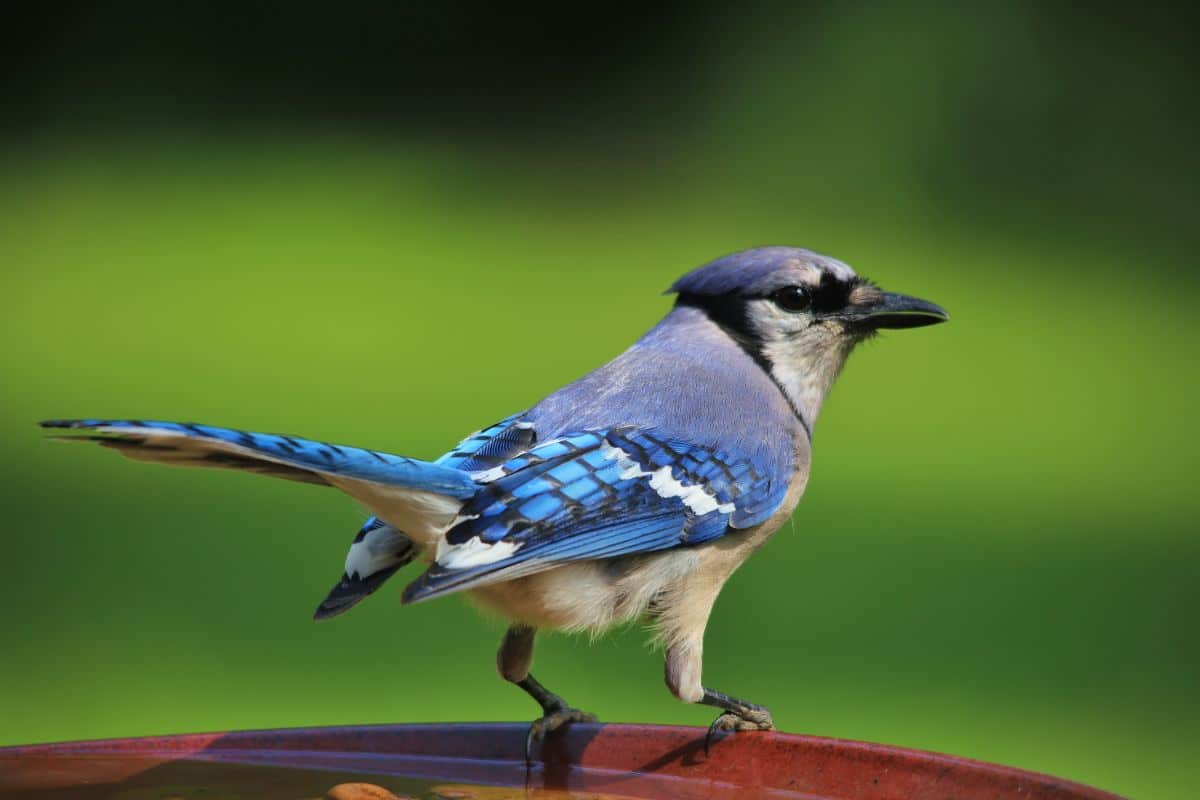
491 446
595 494
705 391
279 454
481 450
636 490
758 272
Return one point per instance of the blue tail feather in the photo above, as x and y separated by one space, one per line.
192 444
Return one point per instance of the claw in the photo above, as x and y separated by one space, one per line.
750 718
552 721
529 749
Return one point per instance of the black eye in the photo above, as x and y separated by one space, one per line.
792 298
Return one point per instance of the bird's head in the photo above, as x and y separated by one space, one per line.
798 314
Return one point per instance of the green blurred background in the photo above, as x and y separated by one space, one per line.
361 229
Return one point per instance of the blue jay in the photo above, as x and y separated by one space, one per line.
633 492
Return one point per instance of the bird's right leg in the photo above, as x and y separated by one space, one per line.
682 668
513 661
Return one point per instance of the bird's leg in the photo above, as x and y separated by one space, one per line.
683 664
513 661
556 712
738 715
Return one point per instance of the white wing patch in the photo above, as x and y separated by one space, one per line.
489 475
473 553
666 485
378 550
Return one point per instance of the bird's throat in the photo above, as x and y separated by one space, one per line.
805 369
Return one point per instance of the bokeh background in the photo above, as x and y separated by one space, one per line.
392 227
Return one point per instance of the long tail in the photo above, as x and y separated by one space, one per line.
415 496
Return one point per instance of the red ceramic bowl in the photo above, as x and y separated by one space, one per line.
610 760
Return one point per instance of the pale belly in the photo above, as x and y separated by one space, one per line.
588 595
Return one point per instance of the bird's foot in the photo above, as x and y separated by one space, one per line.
746 718
553 719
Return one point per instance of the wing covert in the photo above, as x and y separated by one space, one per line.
589 495
491 446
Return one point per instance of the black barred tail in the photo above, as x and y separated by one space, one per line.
415 496
193 445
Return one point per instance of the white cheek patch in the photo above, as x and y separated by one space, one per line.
771 323
381 548
666 485
473 553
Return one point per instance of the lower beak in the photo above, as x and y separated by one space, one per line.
900 311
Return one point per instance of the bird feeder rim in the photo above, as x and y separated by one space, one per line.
648 761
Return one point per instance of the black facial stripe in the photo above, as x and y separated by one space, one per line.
831 294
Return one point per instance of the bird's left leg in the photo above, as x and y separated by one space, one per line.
513 661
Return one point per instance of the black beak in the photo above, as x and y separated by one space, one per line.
900 311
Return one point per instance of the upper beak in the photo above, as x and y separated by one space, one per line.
901 311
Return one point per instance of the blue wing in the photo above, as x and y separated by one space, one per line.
591 495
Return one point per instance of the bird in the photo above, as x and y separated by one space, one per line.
632 493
